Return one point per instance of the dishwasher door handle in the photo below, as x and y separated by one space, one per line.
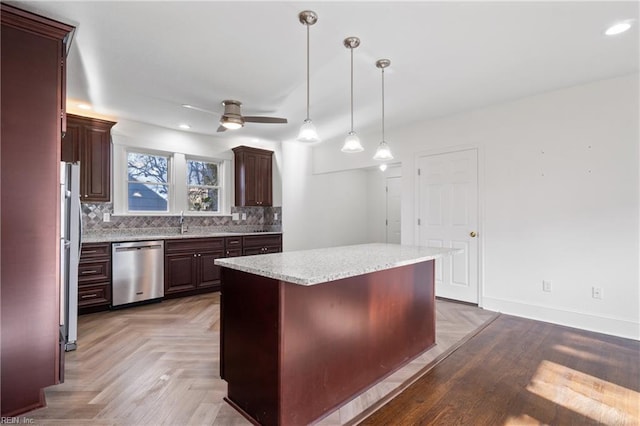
138 248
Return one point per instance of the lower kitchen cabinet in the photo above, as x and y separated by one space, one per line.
94 277
189 266
261 244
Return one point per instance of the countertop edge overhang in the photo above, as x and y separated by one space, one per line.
112 238
310 267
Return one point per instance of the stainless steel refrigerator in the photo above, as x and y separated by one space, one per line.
70 235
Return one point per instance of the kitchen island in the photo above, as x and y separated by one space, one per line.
304 332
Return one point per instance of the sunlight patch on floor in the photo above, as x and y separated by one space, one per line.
590 396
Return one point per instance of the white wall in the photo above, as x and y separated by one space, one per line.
320 210
559 190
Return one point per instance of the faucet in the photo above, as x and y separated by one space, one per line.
182 230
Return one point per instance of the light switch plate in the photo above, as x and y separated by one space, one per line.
235 216
546 286
106 217
244 216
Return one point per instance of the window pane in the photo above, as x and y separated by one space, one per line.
202 173
147 167
147 197
203 199
148 176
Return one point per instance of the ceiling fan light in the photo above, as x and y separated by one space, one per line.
383 153
231 123
352 143
308 132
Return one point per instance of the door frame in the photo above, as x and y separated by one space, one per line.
386 201
416 229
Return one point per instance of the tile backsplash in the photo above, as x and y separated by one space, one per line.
257 219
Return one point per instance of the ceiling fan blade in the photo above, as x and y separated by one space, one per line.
222 129
199 109
264 119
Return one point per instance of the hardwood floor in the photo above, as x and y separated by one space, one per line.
517 371
159 364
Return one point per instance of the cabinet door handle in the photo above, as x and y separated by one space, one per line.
194 255
199 255
89 296
93 271
89 251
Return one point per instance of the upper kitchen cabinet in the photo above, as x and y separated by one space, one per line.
88 140
253 176
33 71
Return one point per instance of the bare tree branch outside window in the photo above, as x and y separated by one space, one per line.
203 186
148 182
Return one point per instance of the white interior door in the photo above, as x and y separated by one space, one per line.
394 198
448 217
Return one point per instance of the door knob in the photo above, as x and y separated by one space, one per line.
472 234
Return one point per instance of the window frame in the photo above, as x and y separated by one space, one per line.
170 189
178 197
220 187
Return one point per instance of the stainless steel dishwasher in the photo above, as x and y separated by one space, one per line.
138 272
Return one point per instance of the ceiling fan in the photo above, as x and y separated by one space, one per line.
232 117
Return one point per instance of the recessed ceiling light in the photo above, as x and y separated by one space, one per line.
184 126
618 28
84 106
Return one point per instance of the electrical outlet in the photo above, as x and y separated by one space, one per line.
244 216
596 292
235 216
275 216
546 286
106 217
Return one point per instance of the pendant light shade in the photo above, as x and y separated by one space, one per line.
308 132
352 141
383 153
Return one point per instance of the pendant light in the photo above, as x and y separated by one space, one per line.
352 141
308 132
383 153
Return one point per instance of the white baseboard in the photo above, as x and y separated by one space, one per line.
612 326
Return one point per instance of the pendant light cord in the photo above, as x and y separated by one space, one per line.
382 104
307 25
351 89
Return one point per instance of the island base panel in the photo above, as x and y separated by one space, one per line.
332 340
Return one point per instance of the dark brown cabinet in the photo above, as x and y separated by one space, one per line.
94 277
189 265
233 246
261 244
88 140
33 72
253 176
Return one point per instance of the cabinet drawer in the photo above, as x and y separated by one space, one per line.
91 272
94 295
233 243
93 250
193 244
251 241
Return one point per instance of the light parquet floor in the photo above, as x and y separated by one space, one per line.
158 364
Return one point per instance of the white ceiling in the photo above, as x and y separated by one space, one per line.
141 60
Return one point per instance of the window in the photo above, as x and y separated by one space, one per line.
203 186
147 182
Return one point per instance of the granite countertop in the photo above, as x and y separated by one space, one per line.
309 267
163 234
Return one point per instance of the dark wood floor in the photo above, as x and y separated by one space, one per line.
518 371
